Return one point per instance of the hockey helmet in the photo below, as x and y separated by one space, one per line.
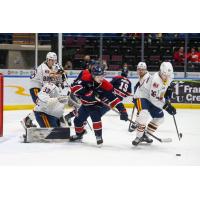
124 71
166 69
51 56
142 65
97 70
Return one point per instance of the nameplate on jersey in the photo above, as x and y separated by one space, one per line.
46 135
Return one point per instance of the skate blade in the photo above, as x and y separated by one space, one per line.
100 145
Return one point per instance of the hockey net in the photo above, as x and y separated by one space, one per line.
1 105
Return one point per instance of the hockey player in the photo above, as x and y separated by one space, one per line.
149 99
73 98
87 89
51 101
144 76
38 78
122 85
122 88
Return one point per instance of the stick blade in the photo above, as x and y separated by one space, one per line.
166 140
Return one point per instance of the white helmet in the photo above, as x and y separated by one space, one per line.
166 69
51 56
141 65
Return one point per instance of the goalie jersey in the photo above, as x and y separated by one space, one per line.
152 88
52 100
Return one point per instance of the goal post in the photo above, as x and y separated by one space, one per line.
1 105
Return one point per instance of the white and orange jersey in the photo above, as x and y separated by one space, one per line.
152 88
48 100
157 90
143 87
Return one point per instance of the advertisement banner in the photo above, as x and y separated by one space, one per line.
186 91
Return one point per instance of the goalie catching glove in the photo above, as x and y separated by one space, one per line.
169 108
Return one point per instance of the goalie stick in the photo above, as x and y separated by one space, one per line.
162 140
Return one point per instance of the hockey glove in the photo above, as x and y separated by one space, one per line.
168 93
124 115
169 108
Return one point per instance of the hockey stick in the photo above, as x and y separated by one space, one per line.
160 139
178 133
157 138
89 125
129 128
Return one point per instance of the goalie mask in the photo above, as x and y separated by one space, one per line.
57 75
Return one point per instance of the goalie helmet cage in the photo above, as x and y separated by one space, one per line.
1 105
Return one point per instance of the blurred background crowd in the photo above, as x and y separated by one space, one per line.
17 50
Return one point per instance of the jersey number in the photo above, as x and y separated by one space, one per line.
123 87
46 90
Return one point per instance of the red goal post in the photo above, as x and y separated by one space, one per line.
1 105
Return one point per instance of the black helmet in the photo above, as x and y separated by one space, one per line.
97 70
124 72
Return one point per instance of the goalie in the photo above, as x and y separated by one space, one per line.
51 101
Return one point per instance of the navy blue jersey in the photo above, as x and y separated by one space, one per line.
87 89
122 86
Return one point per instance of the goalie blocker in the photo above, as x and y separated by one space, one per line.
46 135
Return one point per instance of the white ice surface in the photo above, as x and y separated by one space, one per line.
117 148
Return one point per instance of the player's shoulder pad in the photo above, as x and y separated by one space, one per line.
86 76
107 86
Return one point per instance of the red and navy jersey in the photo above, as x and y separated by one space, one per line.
86 89
122 86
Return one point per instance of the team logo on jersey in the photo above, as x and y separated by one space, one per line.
155 85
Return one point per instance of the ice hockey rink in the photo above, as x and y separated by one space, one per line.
117 148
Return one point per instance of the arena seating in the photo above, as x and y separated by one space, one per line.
117 49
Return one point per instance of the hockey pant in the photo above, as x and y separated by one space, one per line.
145 107
46 121
95 113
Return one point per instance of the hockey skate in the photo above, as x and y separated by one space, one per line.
146 139
77 137
27 123
99 141
136 141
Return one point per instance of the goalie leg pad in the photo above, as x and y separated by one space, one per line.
46 135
